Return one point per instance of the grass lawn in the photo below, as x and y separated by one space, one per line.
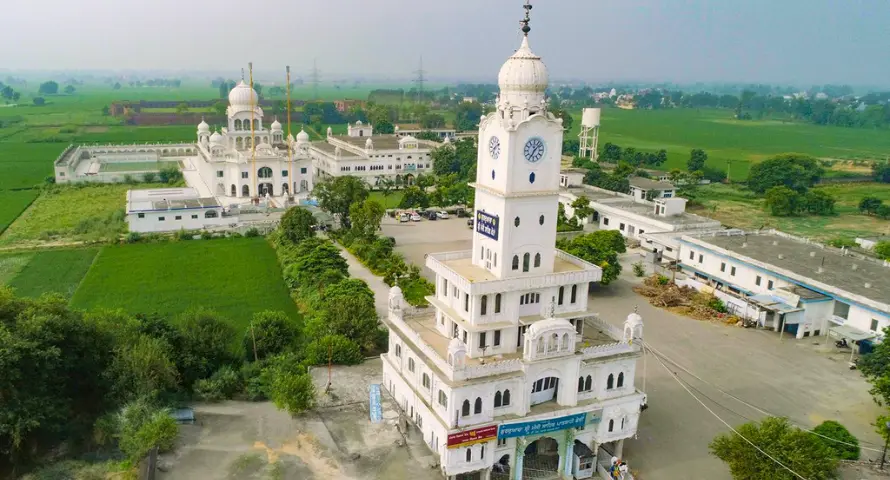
137 166
728 140
58 271
72 212
739 208
12 204
390 201
235 277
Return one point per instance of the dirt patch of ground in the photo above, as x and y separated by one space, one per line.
95 129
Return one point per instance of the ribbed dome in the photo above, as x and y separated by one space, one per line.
302 136
203 127
523 77
276 125
242 95
217 139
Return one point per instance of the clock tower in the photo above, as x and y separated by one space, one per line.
517 172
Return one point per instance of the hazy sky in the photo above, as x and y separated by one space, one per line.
799 41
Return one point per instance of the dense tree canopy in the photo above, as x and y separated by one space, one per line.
366 217
459 158
338 194
697 159
600 248
793 170
48 88
297 224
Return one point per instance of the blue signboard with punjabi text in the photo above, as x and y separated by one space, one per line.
487 224
541 426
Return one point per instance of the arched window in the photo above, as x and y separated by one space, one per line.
470 453
477 408
234 190
484 308
426 381
264 172
398 350
497 303
515 262
580 384
497 399
610 382
465 408
562 291
516 221
620 379
565 341
541 219
526 259
245 191
554 343
410 364
540 344
537 260
611 425
506 397
237 124
211 214
574 293
256 124
588 383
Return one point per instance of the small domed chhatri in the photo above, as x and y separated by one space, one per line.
203 127
302 137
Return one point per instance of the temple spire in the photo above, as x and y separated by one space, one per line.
525 21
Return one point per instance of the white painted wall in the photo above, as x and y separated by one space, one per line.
175 220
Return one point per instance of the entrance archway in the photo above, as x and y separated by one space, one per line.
541 459
234 190
245 191
266 188
284 189
501 469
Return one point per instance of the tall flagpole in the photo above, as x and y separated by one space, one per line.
290 159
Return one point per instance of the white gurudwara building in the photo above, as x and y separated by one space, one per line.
511 374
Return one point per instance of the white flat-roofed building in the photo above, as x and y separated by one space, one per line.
791 284
511 371
172 209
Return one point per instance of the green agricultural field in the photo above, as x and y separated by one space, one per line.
24 165
739 208
53 271
724 139
235 277
87 212
12 204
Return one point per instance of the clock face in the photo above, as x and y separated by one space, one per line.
494 147
534 150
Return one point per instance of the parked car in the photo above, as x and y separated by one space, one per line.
404 218
431 215
415 217
442 214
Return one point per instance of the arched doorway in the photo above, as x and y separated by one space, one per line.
234 190
501 469
245 191
409 180
544 390
266 188
541 458
284 189
304 185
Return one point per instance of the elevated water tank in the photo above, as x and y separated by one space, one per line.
590 117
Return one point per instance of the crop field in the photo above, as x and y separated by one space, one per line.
739 208
88 212
52 271
24 165
12 203
741 142
236 277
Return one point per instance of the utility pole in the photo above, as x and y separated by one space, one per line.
729 170
419 80
314 78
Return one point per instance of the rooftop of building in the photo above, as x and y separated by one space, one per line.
474 273
163 199
812 262
649 184
639 207
380 142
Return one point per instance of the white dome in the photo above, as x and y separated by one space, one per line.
203 127
216 138
523 77
276 125
242 95
456 345
358 123
302 136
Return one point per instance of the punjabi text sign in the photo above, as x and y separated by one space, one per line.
469 437
487 224
541 426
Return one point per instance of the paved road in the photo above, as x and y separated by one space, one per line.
788 378
380 289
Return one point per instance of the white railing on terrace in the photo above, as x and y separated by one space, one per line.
575 260
416 339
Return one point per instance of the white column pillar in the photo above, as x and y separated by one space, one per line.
619 448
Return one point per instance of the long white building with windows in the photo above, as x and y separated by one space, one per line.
511 374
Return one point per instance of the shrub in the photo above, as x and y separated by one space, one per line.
142 426
252 379
662 280
133 237
224 384
149 177
341 351
717 305
252 232
836 431
840 242
639 269
287 383
205 235
270 333
183 234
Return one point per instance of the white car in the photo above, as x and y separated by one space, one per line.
404 218
443 215
415 217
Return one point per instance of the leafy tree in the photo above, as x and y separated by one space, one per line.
414 197
366 217
793 170
334 348
846 447
313 262
567 120
105 110
70 89
432 120
170 175
39 101
600 248
48 88
783 201
883 212
384 127
288 384
467 115
182 108
611 153
353 316
881 171
206 345
800 451
819 202
570 146
270 333
6 92
144 368
882 250
117 86
224 384
142 426
582 208
220 107
297 224
697 159
386 185
337 195
459 157
870 204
